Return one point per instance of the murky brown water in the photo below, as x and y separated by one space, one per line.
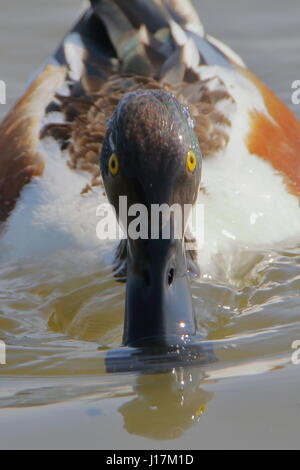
54 391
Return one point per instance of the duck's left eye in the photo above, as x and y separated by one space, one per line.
113 164
191 161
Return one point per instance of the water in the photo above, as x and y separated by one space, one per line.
60 324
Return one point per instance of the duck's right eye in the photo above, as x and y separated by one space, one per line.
113 164
191 161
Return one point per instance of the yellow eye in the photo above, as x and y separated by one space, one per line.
191 161
113 164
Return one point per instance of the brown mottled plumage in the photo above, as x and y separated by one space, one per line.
86 116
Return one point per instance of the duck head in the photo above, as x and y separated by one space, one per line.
152 156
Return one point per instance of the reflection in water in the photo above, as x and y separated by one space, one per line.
166 405
168 398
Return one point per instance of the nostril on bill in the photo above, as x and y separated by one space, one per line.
171 276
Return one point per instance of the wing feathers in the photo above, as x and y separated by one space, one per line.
19 136
184 13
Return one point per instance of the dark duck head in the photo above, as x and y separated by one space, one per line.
151 155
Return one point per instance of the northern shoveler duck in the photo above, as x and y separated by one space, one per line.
140 83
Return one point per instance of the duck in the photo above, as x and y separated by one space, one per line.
174 116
